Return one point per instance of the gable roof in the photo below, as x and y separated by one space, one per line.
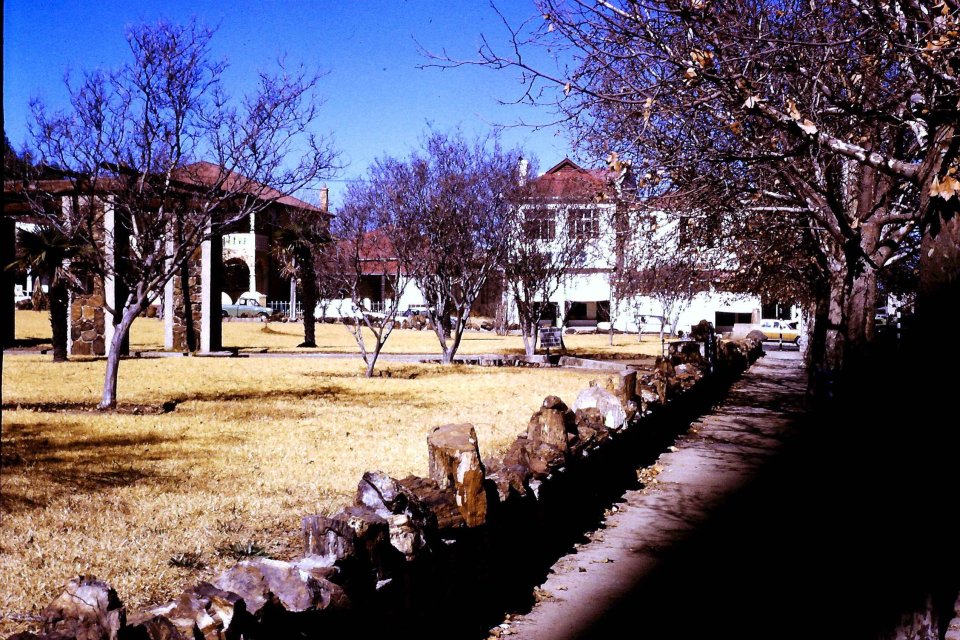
569 181
198 174
208 174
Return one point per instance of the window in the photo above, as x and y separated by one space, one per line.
540 224
584 223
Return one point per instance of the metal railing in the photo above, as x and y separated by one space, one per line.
283 307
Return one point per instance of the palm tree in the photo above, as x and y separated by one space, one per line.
51 256
297 245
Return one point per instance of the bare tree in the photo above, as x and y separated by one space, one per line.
446 209
130 142
363 252
841 110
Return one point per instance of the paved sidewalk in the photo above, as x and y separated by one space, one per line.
593 592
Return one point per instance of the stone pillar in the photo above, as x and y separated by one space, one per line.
168 314
87 319
87 323
186 307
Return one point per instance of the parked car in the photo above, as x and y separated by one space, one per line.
246 308
786 330
416 310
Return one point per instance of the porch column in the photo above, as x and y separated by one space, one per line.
211 275
168 311
110 280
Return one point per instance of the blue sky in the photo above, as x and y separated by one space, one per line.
377 101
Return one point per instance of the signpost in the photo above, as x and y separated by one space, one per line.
551 337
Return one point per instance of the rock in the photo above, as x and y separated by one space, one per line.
203 611
551 424
664 380
406 522
88 608
733 355
381 493
81 349
352 532
691 352
701 331
429 498
454 459
158 628
511 475
622 385
591 429
648 395
614 415
262 581
544 458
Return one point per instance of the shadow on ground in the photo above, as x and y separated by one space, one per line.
837 536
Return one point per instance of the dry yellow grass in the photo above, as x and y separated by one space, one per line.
147 334
254 444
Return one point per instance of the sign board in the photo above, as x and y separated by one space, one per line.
551 337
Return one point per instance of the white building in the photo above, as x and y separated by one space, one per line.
590 203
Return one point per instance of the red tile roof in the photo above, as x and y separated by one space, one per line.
569 181
377 255
199 173
208 174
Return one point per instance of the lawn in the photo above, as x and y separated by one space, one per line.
253 445
147 334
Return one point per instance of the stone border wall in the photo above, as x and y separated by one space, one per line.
442 556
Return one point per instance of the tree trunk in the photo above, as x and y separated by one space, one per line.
447 356
817 327
860 306
831 358
309 282
529 338
372 360
109 398
59 310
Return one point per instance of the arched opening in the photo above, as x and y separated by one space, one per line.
236 278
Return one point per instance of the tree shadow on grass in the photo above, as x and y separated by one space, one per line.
326 392
80 464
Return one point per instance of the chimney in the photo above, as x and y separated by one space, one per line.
325 198
522 170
